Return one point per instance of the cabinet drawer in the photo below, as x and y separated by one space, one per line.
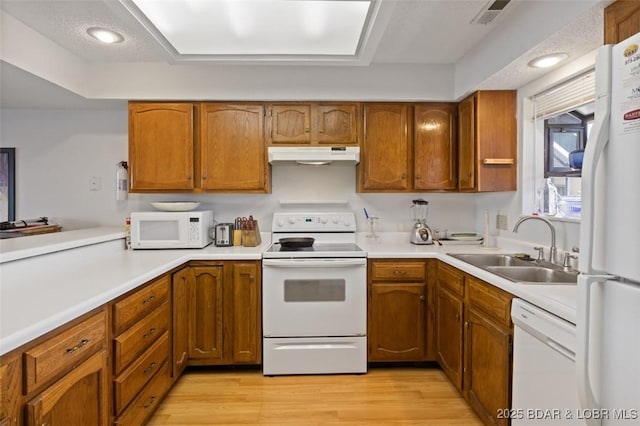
133 308
397 270
130 344
64 350
147 401
129 383
451 278
493 301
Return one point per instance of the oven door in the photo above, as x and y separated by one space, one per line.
314 297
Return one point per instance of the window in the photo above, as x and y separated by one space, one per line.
563 116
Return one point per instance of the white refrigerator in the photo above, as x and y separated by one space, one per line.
608 322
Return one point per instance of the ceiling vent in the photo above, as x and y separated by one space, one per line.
489 12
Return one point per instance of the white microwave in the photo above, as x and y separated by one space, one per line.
171 230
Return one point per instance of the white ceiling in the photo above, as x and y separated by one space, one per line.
406 32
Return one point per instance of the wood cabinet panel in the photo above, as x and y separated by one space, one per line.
11 389
490 300
397 322
182 321
65 350
132 343
449 309
147 401
246 304
451 278
621 20
133 308
337 124
386 156
488 367
206 335
160 146
397 270
290 124
487 142
85 386
232 148
132 380
435 153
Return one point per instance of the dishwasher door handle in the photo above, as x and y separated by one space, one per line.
562 349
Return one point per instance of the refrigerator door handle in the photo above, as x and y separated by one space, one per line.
583 335
592 154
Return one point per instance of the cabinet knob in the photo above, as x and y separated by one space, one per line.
404 176
422 297
188 177
204 177
306 130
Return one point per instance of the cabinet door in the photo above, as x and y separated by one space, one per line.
435 155
386 150
397 322
466 144
496 144
487 367
245 303
78 398
10 389
290 124
449 334
182 300
160 146
232 153
337 124
206 333
621 21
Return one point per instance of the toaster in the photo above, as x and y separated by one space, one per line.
224 234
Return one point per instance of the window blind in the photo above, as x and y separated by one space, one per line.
566 96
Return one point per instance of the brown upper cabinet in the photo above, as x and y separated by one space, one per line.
621 20
385 157
435 155
408 147
232 150
313 123
185 147
487 142
161 146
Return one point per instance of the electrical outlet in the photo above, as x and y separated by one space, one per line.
95 183
501 222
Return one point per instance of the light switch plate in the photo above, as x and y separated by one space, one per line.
501 222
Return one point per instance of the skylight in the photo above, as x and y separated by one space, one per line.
259 27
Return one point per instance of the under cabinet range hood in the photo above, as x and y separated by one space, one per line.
308 155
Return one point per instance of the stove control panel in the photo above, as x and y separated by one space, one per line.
314 222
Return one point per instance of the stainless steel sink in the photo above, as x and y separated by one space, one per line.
522 271
534 274
484 259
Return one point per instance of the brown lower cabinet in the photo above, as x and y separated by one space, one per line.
218 306
474 340
399 326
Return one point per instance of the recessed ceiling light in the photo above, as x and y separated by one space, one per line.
105 35
547 60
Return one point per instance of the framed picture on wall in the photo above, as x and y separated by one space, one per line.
7 184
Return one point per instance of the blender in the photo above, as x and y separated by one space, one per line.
421 233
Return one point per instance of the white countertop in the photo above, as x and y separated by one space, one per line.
48 285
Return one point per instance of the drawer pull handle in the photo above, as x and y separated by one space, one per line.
151 401
398 272
150 368
82 343
148 299
149 333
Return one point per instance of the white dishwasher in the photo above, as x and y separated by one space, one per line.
545 389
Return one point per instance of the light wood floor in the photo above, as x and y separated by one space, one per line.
383 396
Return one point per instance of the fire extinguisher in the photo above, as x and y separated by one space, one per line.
122 178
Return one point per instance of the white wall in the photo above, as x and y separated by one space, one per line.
59 151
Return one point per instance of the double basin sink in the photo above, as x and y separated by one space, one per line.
518 270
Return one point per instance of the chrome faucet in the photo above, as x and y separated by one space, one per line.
553 256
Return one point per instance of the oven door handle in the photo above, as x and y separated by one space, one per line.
313 263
